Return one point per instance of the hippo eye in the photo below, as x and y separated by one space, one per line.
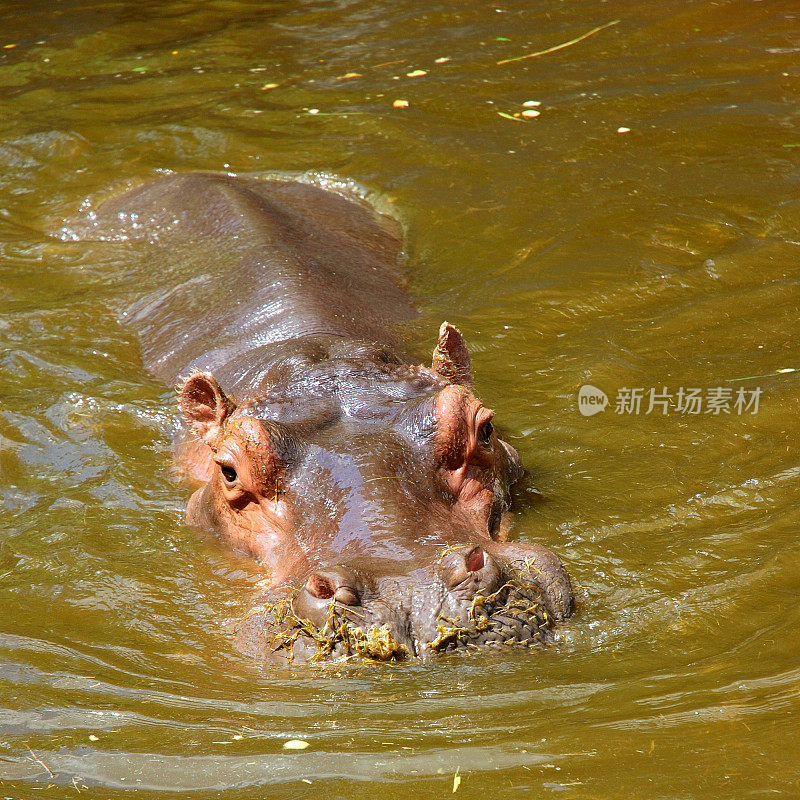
228 474
485 432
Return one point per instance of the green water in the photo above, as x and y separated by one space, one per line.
568 252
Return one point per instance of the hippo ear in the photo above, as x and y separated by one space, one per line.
450 356
205 405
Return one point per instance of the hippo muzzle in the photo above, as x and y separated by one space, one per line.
469 600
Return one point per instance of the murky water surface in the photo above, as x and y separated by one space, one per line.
642 232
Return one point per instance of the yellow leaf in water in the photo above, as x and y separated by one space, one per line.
456 781
295 744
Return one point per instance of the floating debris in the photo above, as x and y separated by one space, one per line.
530 112
348 75
9 46
416 73
39 760
532 103
295 744
509 116
441 60
456 781
562 45
400 104
267 86
389 63
784 371
623 130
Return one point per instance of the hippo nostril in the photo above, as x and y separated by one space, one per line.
475 560
334 584
329 591
346 596
468 570
320 587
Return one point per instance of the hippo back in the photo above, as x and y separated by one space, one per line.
273 261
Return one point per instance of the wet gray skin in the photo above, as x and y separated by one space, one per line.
373 489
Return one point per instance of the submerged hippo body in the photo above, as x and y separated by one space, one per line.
373 489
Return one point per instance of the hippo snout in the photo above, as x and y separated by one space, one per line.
468 599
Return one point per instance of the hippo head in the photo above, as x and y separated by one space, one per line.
376 492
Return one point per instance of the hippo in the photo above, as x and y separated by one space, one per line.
374 491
